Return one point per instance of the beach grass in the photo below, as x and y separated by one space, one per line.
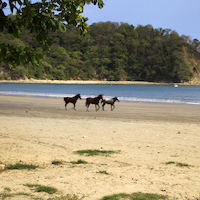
21 166
7 189
135 196
57 162
96 152
178 164
183 165
79 162
8 194
103 172
42 188
170 162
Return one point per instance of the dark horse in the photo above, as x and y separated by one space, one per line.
95 101
71 100
109 101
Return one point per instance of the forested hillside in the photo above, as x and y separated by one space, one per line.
111 51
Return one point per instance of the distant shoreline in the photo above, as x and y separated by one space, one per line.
94 82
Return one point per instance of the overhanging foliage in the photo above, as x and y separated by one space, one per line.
41 18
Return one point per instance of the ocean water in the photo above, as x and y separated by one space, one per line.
183 94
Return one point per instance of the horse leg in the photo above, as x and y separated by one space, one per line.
96 107
112 107
87 105
74 106
103 106
66 105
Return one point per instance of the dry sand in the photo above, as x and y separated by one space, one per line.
95 82
39 130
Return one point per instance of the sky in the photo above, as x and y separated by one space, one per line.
182 16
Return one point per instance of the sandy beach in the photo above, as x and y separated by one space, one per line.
39 130
31 80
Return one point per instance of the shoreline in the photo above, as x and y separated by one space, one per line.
24 106
94 82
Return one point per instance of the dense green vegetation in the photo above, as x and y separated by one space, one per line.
111 51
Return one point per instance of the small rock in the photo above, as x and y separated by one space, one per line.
2 167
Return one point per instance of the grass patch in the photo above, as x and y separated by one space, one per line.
170 162
79 162
96 152
23 193
178 164
42 188
183 165
7 189
47 189
5 195
135 196
57 162
103 172
21 166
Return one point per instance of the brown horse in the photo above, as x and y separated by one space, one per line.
95 101
71 100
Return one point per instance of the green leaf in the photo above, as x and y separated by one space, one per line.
62 27
46 14
81 8
52 22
